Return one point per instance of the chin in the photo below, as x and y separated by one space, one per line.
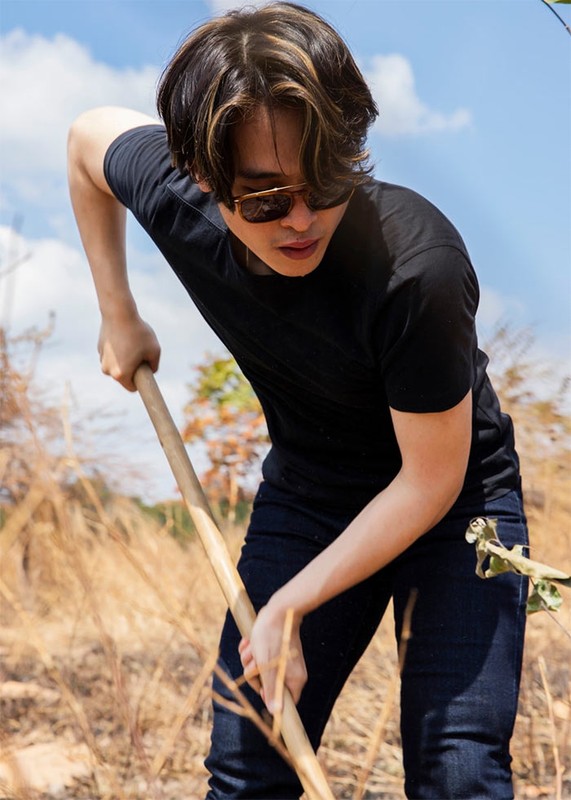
296 269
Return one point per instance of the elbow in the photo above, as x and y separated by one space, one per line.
82 130
454 491
440 500
436 493
78 128
76 141
86 147
448 491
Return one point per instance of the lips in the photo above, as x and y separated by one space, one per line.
300 250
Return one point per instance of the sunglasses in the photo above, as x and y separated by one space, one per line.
272 204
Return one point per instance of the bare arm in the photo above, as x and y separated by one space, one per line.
125 340
434 449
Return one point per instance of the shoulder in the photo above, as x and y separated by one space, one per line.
137 155
138 168
404 222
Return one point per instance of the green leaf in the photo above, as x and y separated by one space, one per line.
482 533
545 596
499 564
527 566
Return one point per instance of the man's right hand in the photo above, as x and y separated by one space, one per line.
124 345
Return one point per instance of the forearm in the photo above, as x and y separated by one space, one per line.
101 222
435 449
100 216
386 527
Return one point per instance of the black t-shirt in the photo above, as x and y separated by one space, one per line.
386 319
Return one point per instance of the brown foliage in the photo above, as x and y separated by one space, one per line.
225 416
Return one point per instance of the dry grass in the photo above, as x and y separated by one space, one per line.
116 637
108 635
109 631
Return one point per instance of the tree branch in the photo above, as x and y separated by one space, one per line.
561 20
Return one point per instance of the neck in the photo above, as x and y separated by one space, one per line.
249 260
256 266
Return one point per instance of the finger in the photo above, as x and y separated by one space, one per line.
153 360
252 677
268 679
118 375
125 379
255 684
250 669
246 655
121 374
249 666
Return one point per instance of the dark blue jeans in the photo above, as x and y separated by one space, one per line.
462 666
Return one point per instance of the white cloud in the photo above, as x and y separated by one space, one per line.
402 112
496 308
55 277
46 83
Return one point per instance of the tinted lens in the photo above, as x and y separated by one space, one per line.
265 209
319 202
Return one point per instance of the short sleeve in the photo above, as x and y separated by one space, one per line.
427 337
136 166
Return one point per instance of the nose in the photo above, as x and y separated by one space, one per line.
300 216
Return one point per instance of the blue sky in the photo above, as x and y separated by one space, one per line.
475 99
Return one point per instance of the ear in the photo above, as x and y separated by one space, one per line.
203 185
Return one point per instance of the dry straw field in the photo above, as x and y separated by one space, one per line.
109 626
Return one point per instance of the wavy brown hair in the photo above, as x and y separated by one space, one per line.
280 55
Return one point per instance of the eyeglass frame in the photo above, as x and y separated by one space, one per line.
290 191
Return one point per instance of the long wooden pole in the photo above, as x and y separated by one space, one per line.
299 747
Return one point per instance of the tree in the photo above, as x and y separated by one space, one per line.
224 414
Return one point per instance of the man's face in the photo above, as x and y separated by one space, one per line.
266 157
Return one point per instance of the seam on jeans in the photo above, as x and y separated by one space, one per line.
517 651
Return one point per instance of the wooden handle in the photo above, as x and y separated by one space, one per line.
299 747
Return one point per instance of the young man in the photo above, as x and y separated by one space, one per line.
349 304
